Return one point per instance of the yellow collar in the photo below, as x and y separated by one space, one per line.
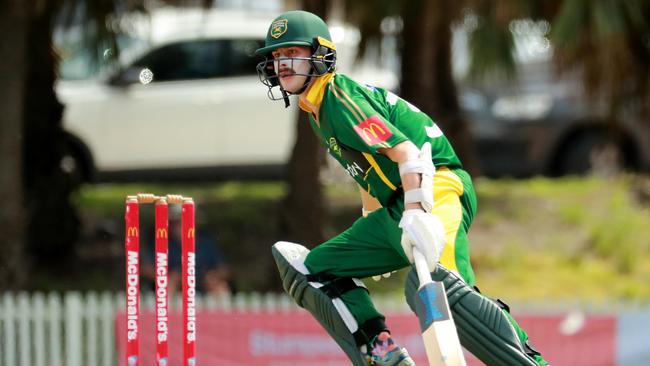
314 95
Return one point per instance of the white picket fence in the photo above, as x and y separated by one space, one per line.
39 330
77 329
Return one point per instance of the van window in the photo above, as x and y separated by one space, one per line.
242 57
202 59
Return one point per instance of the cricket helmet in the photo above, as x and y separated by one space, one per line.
297 28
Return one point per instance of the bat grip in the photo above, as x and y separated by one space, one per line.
421 267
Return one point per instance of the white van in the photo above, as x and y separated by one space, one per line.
188 104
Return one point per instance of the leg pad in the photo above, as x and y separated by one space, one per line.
483 327
331 313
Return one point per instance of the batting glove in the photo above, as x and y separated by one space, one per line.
424 231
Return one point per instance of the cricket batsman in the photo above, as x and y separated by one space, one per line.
414 192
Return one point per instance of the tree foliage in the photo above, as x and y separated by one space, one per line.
609 42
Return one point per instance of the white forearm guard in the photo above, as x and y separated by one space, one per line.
424 166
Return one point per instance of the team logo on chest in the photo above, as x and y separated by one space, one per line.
373 131
334 147
278 28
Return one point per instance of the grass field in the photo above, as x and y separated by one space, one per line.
535 239
564 239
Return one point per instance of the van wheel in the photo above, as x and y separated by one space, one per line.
593 153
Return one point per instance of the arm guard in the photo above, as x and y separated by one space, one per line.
423 165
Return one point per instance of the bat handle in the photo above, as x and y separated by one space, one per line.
421 267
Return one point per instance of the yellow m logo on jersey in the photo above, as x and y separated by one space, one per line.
373 131
190 233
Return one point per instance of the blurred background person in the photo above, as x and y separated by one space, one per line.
213 273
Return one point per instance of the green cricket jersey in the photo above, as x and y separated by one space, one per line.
354 121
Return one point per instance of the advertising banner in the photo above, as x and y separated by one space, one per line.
293 338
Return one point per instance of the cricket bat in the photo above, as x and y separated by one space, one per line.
438 329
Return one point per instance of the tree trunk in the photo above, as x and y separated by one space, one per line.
13 70
53 227
427 75
303 210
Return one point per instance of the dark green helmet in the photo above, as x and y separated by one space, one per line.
296 28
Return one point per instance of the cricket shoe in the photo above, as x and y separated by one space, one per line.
385 352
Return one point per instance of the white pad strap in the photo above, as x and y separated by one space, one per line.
415 166
415 196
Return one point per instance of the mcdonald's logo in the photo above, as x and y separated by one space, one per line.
190 233
373 131
132 232
161 233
